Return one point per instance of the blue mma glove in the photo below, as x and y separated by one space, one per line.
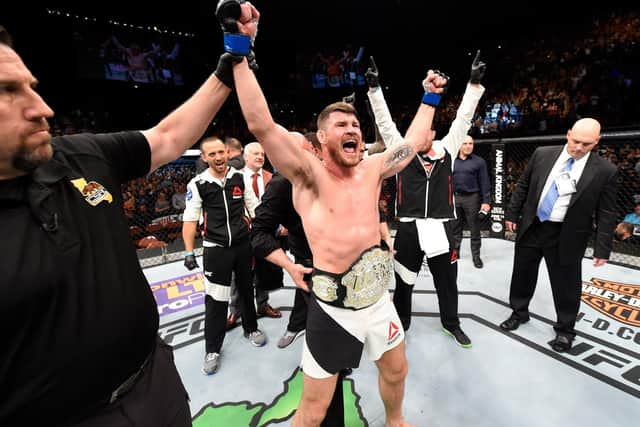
228 12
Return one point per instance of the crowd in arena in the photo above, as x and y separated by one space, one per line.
535 91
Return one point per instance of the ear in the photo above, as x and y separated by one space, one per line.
322 136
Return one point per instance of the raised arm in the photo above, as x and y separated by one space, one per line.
418 137
381 115
239 20
183 127
460 126
284 151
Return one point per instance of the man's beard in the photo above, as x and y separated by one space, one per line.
28 161
337 157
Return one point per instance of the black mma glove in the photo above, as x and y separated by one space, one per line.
477 70
190 261
371 75
482 216
224 71
432 98
350 99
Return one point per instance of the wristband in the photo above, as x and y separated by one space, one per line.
238 44
186 254
430 98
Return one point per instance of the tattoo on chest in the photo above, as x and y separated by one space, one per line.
399 154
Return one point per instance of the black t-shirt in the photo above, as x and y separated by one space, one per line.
77 316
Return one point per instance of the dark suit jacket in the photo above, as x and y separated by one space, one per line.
277 208
593 203
269 275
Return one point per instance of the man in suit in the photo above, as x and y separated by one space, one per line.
267 276
563 192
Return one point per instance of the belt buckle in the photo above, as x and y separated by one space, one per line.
368 279
325 287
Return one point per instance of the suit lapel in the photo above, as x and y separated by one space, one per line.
266 177
587 176
547 165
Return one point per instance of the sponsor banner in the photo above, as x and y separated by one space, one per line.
498 189
618 301
610 322
181 333
179 293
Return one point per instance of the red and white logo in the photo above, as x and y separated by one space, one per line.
393 331
237 192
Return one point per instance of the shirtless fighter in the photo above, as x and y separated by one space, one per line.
349 309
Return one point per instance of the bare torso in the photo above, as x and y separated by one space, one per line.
340 214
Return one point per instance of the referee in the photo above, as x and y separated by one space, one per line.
473 194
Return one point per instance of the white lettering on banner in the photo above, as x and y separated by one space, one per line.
498 174
181 303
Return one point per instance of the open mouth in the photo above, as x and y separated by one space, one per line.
350 147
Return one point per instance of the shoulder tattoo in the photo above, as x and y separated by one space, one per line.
398 154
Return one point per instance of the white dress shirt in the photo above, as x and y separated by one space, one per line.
248 173
561 205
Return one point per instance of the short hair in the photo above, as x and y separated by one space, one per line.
342 107
5 37
312 137
233 143
627 226
209 139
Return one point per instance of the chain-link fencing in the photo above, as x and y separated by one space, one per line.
507 160
154 204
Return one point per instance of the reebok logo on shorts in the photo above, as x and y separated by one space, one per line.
394 332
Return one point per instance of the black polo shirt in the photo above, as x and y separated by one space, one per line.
77 316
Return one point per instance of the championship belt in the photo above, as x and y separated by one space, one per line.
361 286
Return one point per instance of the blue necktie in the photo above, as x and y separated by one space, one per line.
550 199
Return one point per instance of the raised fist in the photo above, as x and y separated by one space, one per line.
248 22
436 82
228 13
239 21
371 75
435 85
477 69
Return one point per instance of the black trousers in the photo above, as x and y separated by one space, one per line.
298 316
541 241
467 207
219 262
158 399
444 269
